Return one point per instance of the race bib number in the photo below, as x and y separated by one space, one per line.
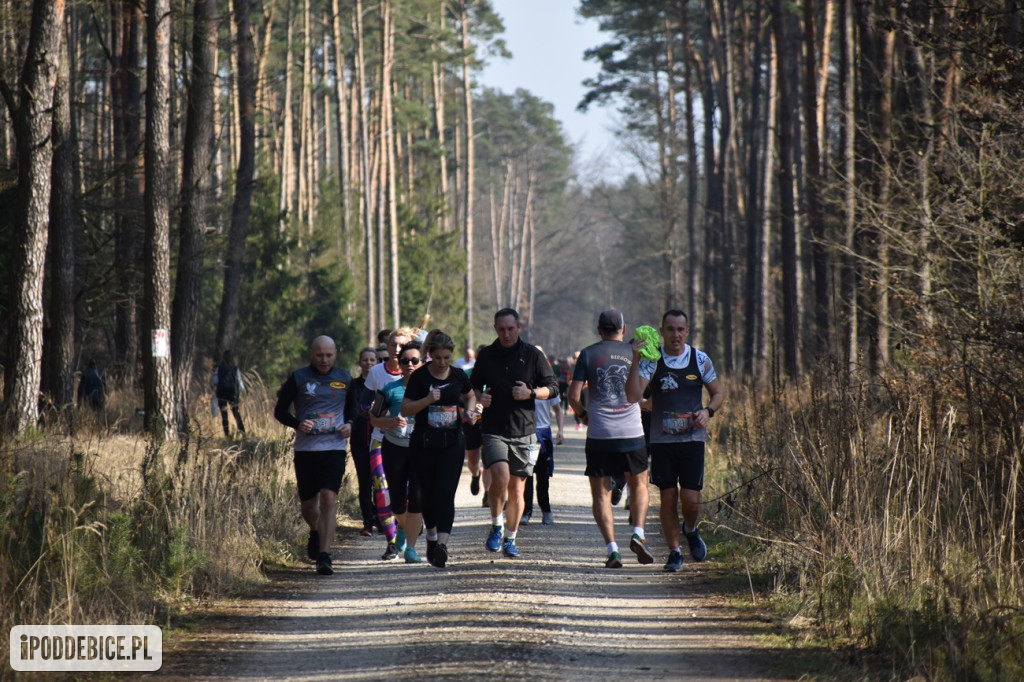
442 416
532 453
323 423
677 423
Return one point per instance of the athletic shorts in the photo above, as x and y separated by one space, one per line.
317 470
678 465
472 434
602 463
521 453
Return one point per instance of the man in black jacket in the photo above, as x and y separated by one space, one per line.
508 376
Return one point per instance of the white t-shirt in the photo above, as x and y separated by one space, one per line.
378 378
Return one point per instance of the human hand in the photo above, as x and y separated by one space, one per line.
400 422
485 399
306 426
345 430
520 391
435 394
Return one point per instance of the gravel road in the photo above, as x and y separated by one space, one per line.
555 613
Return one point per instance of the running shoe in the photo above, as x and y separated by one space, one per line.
400 543
579 427
411 557
643 555
494 539
366 532
618 485
675 562
390 553
313 545
548 519
485 503
509 549
323 564
614 560
474 485
440 555
525 519
431 546
698 550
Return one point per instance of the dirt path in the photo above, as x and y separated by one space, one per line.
555 613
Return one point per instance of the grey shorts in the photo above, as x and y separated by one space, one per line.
521 453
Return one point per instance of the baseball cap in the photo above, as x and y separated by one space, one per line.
611 320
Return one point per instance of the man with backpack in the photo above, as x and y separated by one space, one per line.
227 382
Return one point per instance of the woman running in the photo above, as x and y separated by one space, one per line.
433 397
360 440
402 482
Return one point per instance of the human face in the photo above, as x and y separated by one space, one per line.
409 361
367 360
441 358
323 354
674 331
507 328
394 344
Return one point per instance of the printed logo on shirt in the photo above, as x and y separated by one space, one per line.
691 377
668 382
337 384
311 388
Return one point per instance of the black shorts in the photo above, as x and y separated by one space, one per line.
472 434
678 465
317 470
601 463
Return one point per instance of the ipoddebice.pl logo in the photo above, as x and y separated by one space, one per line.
113 648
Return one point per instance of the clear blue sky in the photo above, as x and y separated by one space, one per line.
547 40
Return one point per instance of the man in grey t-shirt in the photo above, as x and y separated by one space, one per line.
615 435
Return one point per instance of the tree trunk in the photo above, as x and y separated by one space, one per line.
787 200
156 356
195 189
30 110
242 206
288 175
369 246
847 86
755 201
341 116
470 167
60 346
389 157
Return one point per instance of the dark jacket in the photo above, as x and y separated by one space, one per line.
499 368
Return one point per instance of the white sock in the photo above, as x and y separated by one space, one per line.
613 547
674 549
638 531
432 538
687 529
510 535
496 521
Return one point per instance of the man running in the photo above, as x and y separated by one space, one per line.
508 376
615 436
322 427
679 422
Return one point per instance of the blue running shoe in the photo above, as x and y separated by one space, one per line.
508 547
675 562
698 550
411 557
400 543
494 539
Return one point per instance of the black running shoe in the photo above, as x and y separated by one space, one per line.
474 485
390 553
323 564
618 485
431 545
440 555
313 545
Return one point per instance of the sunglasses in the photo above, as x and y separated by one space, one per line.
408 361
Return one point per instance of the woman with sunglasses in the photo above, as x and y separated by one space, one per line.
402 483
433 396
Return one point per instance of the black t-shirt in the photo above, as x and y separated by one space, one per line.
444 414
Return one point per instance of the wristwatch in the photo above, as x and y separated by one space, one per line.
533 394
711 412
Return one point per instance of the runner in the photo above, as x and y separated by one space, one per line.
615 436
433 396
360 441
403 485
678 428
473 440
508 376
321 429
545 467
380 376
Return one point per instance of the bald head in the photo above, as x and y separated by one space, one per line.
322 353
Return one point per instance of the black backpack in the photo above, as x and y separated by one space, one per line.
226 384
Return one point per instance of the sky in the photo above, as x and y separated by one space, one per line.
547 41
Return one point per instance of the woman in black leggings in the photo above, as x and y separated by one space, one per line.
434 394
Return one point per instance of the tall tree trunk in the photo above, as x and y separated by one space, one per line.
156 357
369 246
470 187
847 69
288 174
342 123
763 319
389 157
241 207
755 201
195 188
787 200
60 346
128 232
30 110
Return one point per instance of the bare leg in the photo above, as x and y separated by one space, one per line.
639 497
328 518
690 502
497 491
413 524
601 493
514 510
670 516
